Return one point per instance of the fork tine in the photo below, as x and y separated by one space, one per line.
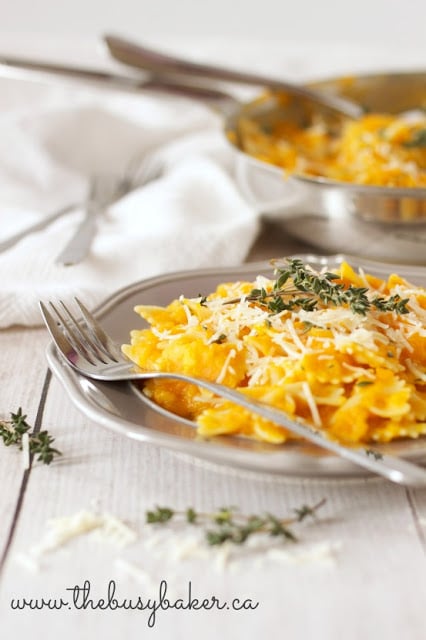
63 338
103 339
82 336
58 337
77 343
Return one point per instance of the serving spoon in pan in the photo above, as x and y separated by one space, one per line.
170 74
379 222
141 57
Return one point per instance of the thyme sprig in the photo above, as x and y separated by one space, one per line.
295 278
374 454
40 444
227 524
418 139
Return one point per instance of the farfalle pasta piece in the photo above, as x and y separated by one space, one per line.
354 371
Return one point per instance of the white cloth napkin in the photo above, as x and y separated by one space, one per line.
53 138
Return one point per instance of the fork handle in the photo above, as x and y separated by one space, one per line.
38 226
395 469
79 245
390 467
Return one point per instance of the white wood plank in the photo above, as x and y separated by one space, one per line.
377 580
371 577
417 501
22 377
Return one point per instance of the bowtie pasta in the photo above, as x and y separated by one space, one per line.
342 352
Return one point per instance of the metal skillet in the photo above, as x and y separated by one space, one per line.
383 223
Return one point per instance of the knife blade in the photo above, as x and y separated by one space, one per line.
16 65
8 64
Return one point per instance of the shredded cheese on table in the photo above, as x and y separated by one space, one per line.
359 377
103 526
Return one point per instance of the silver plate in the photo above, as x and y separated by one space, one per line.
121 408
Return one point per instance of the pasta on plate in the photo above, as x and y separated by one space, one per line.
344 352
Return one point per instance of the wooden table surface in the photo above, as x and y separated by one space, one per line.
357 571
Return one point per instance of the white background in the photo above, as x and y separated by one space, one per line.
398 23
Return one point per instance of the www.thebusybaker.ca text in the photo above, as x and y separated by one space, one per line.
80 599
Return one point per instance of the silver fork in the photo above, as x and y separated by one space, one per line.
37 226
88 349
103 192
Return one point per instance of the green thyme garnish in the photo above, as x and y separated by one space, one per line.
295 278
393 303
418 139
308 326
227 524
40 444
375 454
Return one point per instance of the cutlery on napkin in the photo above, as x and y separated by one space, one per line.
53 138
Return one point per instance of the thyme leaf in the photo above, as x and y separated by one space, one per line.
393 303
40 444
295 278
227 524
418 139
374 454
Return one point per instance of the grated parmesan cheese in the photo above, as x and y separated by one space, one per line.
115 531
337 362
312 404
322 553
293 333
220 378
64 529
25 450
